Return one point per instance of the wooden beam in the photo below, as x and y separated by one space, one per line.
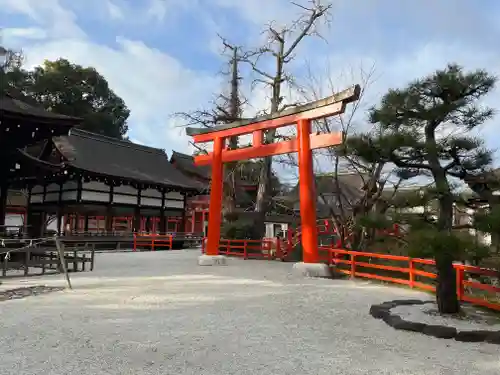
321 108
313 114
285 147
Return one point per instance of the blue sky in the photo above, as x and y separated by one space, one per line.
162 56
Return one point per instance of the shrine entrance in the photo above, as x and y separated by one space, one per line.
304 143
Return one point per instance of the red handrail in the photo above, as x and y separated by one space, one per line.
411 270
335 256
152 240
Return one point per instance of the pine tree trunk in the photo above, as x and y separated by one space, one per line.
446 290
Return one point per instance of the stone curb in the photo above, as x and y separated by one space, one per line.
383 312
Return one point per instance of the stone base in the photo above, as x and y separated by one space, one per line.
212 260
312 269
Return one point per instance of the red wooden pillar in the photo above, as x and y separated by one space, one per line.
215 208
307 194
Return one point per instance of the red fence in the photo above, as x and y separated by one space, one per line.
413 272
269 248
152 241
410 272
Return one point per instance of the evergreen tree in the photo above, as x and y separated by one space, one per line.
425 131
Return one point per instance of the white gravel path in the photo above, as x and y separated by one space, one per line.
160 313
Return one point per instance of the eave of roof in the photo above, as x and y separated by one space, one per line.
16 108
106 156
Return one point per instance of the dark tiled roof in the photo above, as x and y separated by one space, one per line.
185 163
15 106
351 188
111 157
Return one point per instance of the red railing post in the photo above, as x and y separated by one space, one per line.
245 254
411 266
353 266
152 244
460 282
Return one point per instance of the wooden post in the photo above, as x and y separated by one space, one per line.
62 260
307 194
460 282
353 266
411 268
4 191
183 216
215 209
137 219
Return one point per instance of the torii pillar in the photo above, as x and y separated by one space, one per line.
304 143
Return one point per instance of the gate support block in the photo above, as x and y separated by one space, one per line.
212 260
312 270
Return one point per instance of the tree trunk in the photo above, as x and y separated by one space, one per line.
229 186
446 290
263 195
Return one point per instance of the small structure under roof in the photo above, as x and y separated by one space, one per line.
186 164
23 124
98 176
124 162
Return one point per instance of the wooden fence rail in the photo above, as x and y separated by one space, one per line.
152 241
414 272
357 262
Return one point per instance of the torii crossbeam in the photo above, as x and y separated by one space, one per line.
304 143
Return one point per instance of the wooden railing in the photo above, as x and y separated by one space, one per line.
267 248
152 241
410 273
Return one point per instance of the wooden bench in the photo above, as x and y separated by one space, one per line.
46 258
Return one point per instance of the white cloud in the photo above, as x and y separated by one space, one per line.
153 84
157 9
50 15
14 34
115 12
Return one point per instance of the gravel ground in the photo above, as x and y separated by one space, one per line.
160 313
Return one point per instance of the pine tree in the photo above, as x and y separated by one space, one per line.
425 130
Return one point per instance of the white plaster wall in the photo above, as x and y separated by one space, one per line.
52 187
36 198
69 195
70 185
37 189
95 185
150 193
125 199
174 195
51 197
93 196
173 204
125 189
154 202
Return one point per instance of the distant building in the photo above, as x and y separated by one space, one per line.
104 184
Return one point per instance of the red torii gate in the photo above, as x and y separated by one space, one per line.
303 144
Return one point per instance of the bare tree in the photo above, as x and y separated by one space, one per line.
347 204
226 108
281 47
